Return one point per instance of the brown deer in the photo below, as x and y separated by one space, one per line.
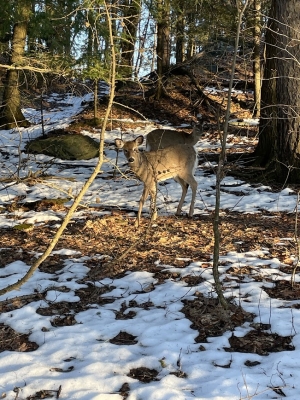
162 138
178 162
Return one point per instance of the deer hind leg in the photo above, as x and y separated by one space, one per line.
184 186
185 183
193 184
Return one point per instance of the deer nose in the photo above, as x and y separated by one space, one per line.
131 159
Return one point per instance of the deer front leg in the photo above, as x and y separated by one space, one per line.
142 201
153 209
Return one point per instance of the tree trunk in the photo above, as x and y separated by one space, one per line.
10 111
68 8
163 43
190 50
131 12
180 21
257 56
278 149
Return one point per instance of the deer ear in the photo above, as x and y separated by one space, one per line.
139 140
119 143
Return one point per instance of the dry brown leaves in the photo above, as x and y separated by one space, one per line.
175 241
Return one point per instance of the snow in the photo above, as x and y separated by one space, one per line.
80 358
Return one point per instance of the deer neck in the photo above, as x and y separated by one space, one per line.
196 133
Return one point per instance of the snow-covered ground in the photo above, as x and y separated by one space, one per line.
80 358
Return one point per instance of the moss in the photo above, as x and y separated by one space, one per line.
24 227
65 147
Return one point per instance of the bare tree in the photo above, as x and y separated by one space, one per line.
131 16
220 173
106 9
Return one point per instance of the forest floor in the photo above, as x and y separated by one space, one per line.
174 241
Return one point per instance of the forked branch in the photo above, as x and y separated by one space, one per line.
87 184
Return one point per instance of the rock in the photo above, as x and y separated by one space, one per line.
65 147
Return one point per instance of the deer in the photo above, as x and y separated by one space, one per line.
150 167
162 138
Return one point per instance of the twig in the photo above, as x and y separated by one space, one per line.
297 241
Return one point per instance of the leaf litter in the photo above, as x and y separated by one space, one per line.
141 326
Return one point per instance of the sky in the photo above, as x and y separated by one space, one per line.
81 358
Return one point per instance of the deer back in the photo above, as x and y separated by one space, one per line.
162 138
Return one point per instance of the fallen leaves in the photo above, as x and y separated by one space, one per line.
175 241
260 342
13 341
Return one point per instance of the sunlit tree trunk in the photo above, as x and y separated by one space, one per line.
10 112
257 56
278 148
190 49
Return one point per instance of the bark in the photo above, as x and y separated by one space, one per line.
278 149
131 12
68 28
163 43
10 112
257 56
190 51
180 21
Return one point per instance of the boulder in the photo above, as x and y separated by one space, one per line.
65 147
